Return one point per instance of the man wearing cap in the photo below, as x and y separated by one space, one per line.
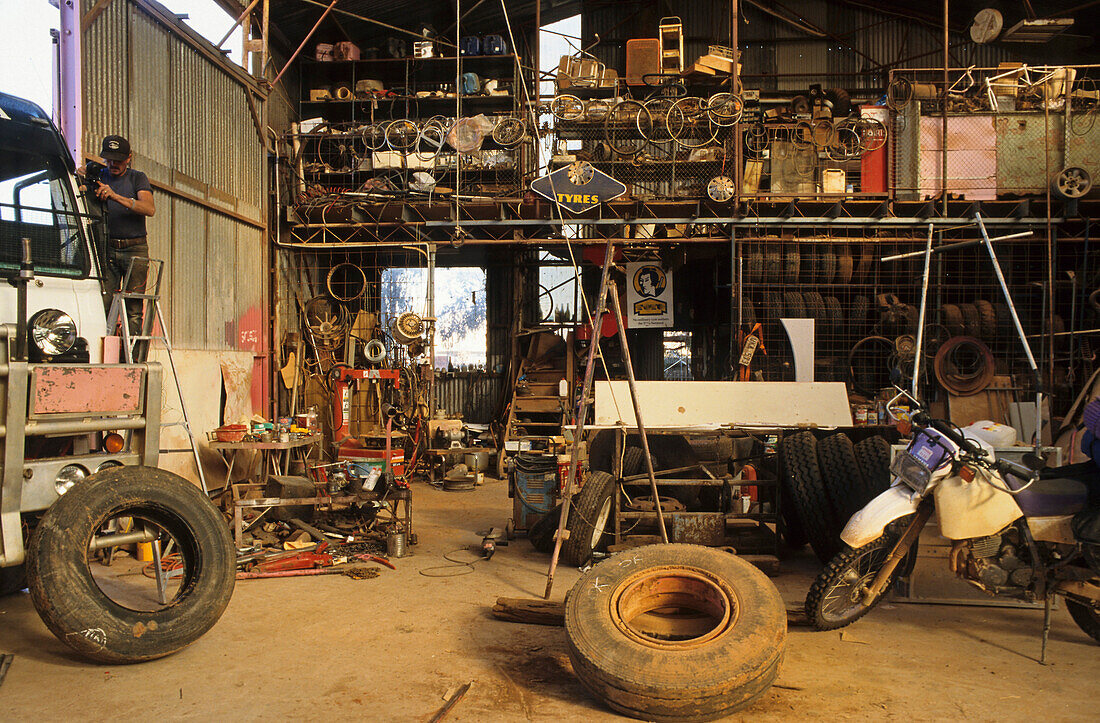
129 199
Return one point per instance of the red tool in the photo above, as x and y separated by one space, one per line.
375 558
302 561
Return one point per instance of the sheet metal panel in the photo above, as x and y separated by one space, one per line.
251 286
1020 142
188 268
474 395
718 404
971 156
106 48
150 113
221 276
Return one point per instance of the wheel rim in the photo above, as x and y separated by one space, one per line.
600 525
132 584
673 607
846 598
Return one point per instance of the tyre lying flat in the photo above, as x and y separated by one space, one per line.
675 632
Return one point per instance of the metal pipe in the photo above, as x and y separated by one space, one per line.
949 247
1019 331
100 542
239 20
923 308
943 131
36 427
614 291
304 41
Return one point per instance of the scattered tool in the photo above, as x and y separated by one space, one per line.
356 571
304 560
442 712
489 543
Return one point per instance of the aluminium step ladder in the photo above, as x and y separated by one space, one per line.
151 312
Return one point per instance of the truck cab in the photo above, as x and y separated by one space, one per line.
41 200
80 438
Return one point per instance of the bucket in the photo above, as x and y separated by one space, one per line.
395 544
476 461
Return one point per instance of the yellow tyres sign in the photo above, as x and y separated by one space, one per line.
578 187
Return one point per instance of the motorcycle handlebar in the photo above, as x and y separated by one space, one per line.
1003 466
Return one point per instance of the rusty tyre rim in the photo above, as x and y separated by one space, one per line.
674 608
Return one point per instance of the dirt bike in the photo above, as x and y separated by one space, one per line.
1016 532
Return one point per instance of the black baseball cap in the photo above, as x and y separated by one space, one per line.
115 148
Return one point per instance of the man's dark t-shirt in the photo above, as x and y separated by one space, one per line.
121 221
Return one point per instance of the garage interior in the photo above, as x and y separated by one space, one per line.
508 289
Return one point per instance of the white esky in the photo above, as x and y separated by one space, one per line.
26 53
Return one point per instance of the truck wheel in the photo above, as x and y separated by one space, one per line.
633 461
588 520
102 617
675 632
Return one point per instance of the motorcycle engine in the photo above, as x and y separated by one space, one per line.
994 564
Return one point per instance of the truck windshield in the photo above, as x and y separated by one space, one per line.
36 202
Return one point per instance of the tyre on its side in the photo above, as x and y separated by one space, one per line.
81 614
588 519
708 645
811 505
836 598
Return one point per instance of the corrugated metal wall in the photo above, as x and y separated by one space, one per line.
189 124
474 395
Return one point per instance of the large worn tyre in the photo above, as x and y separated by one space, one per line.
873 456
588 520
802 477
717 653
836 596
843 477
72 604
1087 618
542 532
633 461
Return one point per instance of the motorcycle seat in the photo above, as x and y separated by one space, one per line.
1064 490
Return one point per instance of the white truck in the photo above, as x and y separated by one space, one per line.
78 473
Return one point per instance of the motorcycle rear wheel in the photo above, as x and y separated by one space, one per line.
1086 617
836 598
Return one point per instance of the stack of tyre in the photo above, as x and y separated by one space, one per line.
825 481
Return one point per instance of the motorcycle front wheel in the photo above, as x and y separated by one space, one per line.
838 596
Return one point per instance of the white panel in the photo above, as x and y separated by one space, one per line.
724 404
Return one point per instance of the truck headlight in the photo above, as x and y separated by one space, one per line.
53 331
69 475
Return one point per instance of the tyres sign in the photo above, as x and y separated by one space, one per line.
648 296
578 187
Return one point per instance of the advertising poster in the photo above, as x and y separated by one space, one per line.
648 296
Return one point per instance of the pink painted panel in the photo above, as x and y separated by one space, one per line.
971 156
92 390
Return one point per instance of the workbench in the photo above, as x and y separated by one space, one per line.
268 462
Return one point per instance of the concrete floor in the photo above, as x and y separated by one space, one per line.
390 648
